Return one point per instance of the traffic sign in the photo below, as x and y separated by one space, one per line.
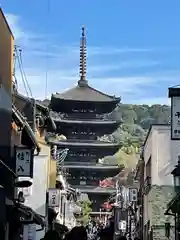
24 162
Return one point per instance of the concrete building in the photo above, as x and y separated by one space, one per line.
160 157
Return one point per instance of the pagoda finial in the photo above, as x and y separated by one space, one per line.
82 66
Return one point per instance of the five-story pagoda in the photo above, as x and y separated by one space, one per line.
79 114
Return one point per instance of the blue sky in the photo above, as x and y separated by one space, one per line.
133 46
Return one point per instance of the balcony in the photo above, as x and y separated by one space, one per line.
147 185
82 116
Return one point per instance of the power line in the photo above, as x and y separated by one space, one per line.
21 72
25 77
18 57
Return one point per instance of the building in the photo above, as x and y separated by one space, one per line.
81 115
6 69
44 167
139 214
159 161
14 130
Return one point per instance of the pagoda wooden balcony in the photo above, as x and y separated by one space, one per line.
84 118
94 190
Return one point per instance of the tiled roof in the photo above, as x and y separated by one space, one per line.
85 93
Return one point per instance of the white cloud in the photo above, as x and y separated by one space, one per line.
13 22
61 65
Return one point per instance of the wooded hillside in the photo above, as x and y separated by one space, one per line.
136 121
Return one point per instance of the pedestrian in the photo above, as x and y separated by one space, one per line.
77 233
52 235
122 238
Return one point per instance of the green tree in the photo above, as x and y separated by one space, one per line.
86 209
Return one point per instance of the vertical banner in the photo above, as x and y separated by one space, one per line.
175 118
54 197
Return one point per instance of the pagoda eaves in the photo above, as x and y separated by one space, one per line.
100 167
91 189
87 122
88 144
87 94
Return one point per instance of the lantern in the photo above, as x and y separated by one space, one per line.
176 176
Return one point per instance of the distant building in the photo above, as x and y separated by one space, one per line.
159 160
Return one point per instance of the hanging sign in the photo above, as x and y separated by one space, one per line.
24 162
54 197
175 118
29 232
122 225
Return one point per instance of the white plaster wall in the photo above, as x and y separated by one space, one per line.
70 220
161 156
36 197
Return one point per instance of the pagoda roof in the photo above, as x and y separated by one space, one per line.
77 143
86 121
85 93
93 189
100 167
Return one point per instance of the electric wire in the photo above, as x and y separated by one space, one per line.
18 59
21 72
24 74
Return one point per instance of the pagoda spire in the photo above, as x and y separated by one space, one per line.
82 67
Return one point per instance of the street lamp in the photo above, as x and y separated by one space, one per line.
176 176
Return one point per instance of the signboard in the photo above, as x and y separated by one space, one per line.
133 194
83 183
29 232
175 118
24 162
54 197
122 225
117 219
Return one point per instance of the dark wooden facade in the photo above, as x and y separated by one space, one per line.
90 176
